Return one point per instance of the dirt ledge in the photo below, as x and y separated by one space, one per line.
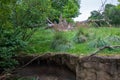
74 67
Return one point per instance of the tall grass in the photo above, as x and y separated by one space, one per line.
42 40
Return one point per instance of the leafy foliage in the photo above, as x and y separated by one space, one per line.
111 10
97 18
96 15
6 30
19 20
67 8
110 15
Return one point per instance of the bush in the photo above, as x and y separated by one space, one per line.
17 26
10 44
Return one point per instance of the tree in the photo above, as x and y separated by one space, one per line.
95 15
70 10
6 30
112 13
96 18
67 8
18 21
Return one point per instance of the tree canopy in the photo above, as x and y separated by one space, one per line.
95 15
67 8
111 14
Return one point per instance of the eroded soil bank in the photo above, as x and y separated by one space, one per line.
69 67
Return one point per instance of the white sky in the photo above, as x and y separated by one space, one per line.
89 5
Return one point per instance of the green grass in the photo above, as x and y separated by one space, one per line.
41 41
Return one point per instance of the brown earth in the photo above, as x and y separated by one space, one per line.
69 67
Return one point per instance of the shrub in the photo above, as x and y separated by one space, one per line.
9 45
18 22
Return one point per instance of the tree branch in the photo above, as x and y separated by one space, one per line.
31 61
50 21
105 47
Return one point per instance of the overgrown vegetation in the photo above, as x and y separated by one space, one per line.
18 22
20 19
23 22
96 37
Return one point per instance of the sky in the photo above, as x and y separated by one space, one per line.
89 5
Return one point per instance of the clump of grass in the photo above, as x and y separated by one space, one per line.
107 41
113 39
81 36
99 42
60 42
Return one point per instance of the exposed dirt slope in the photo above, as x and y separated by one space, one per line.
70 67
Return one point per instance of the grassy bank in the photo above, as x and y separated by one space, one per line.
42 40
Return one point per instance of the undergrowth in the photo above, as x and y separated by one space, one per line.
42 40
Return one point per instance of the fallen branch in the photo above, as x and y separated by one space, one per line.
105 47
34 59
49 21
31 61
14 70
